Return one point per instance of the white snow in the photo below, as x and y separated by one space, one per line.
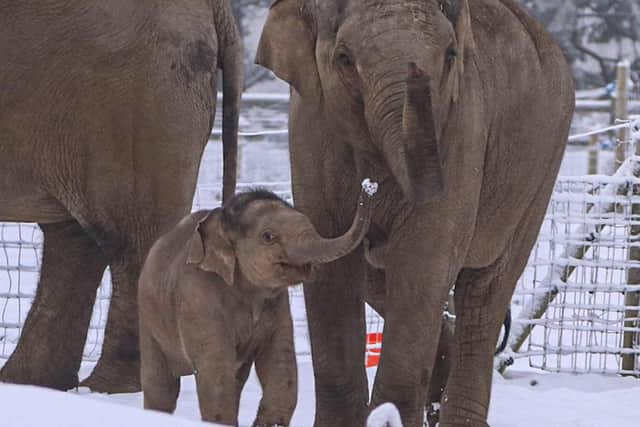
370 187
525 397
385 415
27 406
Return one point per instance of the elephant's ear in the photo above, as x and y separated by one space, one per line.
457 11
287 46
210 249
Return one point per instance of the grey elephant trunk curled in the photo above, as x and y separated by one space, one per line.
319 250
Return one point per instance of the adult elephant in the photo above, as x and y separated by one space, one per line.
105 110
461 110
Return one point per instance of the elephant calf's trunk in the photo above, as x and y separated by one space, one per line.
319 250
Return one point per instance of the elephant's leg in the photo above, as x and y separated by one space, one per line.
335 311
277 371
218 396
481 297
413 317
50 348
118 369
441 370
160 386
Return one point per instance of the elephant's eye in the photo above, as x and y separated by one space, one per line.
452 53
268 237
344 60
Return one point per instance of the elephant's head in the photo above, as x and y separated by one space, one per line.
271 243
386 71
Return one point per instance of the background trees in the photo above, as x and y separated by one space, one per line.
595 35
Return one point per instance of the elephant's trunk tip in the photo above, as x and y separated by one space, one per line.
414 71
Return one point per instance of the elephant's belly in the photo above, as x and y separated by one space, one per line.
24 203
181 367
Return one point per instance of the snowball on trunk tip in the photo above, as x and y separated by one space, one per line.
369 187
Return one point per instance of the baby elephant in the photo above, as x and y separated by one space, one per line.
213 301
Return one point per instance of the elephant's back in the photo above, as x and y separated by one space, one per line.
41 38
46 43
172 246
108 92
527 87
515 46
528 94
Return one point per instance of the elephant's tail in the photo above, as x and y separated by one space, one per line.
230 61
507 330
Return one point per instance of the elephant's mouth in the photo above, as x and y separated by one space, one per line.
296 272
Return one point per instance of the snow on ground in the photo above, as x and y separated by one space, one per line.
525 397
27 406
385 415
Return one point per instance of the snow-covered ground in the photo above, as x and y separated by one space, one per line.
524 397
27 406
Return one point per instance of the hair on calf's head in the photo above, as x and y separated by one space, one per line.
233 210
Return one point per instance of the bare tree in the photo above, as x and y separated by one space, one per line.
595 35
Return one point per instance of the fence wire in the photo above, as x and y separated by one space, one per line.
579 271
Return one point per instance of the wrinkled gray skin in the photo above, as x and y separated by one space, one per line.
213 301
461 109
105 110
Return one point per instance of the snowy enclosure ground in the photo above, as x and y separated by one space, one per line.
523 398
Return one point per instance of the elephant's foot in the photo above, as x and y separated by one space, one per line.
22 370
343 418
111 376
339 421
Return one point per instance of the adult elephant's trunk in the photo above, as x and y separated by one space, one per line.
314 249
404 123
230 61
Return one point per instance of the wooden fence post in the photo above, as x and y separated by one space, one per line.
593 155
631 299
621 109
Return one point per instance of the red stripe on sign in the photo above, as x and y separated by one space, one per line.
372 360
373 354
374 338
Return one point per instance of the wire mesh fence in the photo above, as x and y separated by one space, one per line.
575 297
